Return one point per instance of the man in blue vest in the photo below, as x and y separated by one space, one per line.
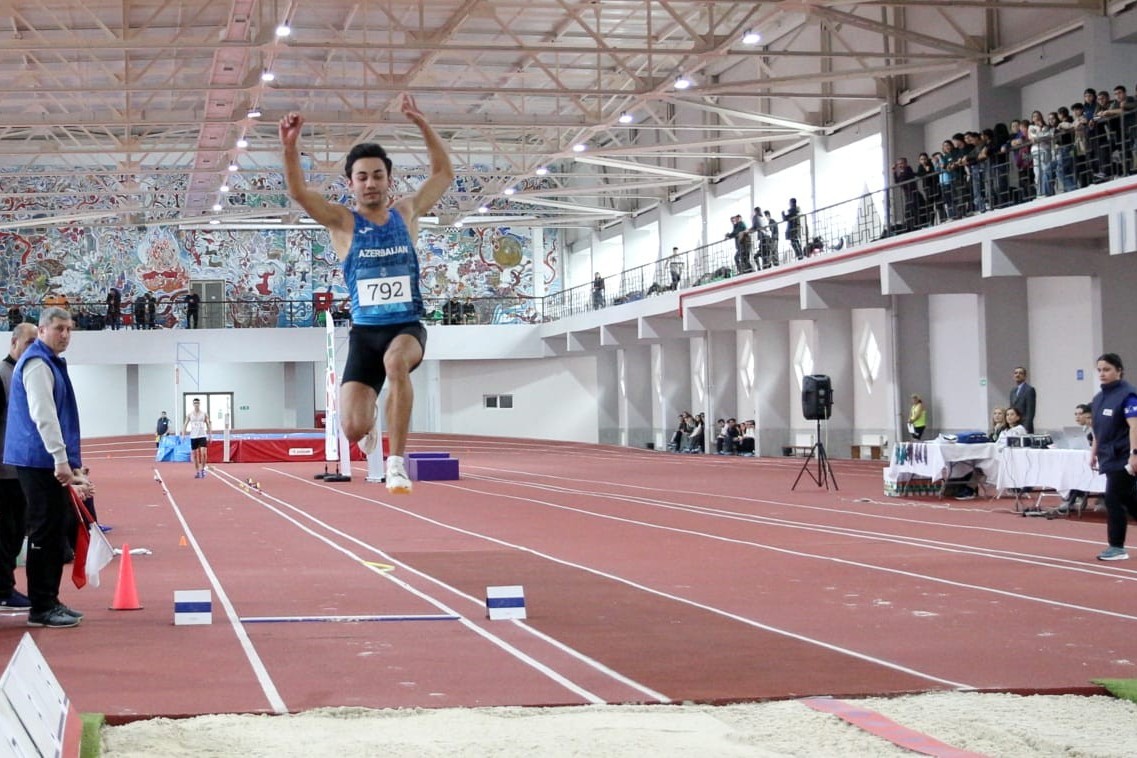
42 441
375 241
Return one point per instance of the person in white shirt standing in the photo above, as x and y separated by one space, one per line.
198 428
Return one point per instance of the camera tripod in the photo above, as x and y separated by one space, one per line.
824 471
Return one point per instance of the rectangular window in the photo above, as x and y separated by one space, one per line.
498 401
491 401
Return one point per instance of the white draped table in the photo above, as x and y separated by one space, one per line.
935 460
1061 470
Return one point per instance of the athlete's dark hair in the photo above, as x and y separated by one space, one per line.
1112 359
366 150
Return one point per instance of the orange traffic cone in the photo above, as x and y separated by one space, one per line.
125 593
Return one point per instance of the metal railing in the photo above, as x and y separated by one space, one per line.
1019 173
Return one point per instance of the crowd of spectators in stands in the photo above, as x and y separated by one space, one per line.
973 172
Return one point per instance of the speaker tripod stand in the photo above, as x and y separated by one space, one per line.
824 471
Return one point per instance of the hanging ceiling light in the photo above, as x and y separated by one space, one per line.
682 82
751 37
626 118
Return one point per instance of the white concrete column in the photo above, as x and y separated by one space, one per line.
1004 340
607 398
671 387
834 358
773 387
289 416
699 369
746 348
634 395
133 418
722 377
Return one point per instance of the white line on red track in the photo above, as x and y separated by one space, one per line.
261 498
636 585
276 702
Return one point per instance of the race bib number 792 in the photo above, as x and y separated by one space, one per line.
385 291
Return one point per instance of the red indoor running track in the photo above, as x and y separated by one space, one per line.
648 577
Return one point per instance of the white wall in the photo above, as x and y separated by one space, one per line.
578 268
775 191
1064 88
641 245
839 183
608 257
935 132
735 203
1060 306
547 404
258 396
686 232
957 401
872 400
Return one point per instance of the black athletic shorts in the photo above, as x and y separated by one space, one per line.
366 346
196 443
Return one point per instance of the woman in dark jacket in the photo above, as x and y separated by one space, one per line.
1114 450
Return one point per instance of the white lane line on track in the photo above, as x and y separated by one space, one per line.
1063 564
260 497
787 504
644 588
842 561
263 677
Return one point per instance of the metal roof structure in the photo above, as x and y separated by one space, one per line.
140 111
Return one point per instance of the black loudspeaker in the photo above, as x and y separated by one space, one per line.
816 397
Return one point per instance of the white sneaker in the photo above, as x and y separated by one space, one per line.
397 481
369 443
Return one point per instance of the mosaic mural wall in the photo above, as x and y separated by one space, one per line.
270 275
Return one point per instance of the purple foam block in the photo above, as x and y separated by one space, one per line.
427 455
432 469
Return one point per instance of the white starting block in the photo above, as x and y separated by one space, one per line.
505 602
193 607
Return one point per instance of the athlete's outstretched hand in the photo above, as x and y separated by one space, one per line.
410 110
290 127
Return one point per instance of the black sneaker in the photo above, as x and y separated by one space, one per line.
69 611
56 618
17 601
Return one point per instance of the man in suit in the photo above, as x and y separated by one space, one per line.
1023 399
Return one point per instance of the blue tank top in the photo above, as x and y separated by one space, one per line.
381 272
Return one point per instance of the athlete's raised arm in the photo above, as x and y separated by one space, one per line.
335 217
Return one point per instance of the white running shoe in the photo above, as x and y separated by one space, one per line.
369 443
398 483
